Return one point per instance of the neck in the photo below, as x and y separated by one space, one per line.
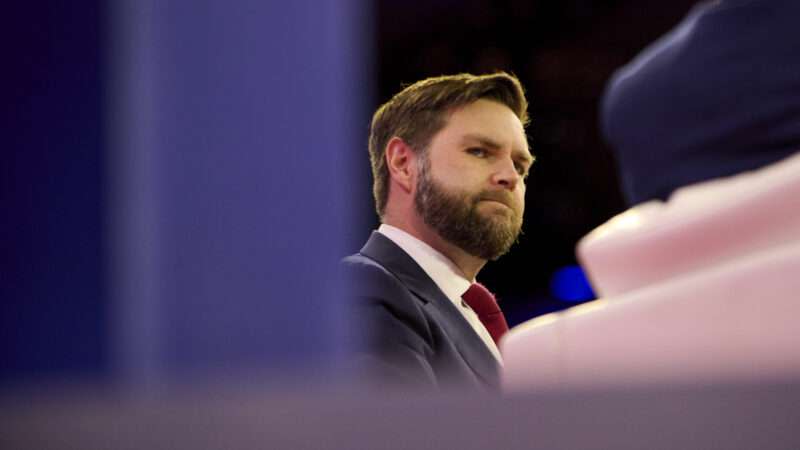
468 264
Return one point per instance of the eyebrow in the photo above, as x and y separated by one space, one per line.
488 142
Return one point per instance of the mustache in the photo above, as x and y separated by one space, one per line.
503 197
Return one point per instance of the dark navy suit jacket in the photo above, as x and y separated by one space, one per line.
410 332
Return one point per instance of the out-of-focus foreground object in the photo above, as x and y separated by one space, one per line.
691 418
716 96
699 289
177 192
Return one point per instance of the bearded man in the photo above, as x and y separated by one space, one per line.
449 161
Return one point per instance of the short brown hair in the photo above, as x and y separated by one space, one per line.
419 111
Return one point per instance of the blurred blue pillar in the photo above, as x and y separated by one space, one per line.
235 131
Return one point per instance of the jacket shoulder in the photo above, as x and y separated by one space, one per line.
368 278
375 291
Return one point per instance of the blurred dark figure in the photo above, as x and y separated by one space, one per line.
718 95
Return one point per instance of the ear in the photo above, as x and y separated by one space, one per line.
401 161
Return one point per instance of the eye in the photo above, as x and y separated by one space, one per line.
521 170
478 151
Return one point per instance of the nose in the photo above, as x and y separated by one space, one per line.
506 175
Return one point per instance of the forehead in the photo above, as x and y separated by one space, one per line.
484 120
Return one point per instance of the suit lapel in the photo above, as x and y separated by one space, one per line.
467 342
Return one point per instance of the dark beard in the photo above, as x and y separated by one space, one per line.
454 216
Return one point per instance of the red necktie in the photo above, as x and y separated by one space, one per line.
484 304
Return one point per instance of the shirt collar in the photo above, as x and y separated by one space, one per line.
442 271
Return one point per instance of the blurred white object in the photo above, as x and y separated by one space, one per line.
702 288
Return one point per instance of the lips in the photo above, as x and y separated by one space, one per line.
499 206
499 197
497 202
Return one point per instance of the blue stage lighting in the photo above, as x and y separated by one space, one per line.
569 284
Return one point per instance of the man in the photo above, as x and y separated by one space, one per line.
449 160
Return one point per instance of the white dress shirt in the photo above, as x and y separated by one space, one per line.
445 274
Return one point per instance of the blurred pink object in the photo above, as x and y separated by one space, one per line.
701 288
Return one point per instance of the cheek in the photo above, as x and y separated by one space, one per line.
520 196
447 173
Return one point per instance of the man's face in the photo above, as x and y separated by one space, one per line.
471 182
